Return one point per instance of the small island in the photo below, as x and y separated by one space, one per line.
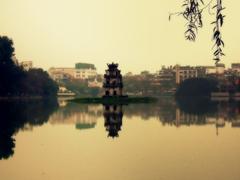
113 90
115 100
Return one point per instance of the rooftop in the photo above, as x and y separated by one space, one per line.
220 65
84 66
112 66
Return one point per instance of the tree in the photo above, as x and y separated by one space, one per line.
197 87
14 81
192 13
10 73
6 51
38 82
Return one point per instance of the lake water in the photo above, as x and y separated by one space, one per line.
184 140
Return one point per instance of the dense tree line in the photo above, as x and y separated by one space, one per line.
147 84
80 87
15 81
197 87
138 84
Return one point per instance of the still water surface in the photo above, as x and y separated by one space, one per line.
169 140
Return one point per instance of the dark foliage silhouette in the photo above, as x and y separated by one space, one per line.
197 87
14 81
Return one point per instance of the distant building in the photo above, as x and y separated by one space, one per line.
210 69
26 65
62 73
166 74
94 84
63 91
201 71
220 68
185 72
85 70
84 66
81 71
236 67
15 60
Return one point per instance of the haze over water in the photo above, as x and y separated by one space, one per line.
167 140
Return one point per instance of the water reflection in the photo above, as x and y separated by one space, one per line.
21 115
113 115
204 111
187 112
82 116
15 116
85 116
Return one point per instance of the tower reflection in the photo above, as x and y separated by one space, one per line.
113 115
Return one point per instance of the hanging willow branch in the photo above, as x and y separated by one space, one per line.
192 13
217 36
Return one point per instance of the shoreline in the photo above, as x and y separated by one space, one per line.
27 97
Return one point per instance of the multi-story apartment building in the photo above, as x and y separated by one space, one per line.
61 73
85 71
81 71
235 67
166 74
185 72
220 68
210 69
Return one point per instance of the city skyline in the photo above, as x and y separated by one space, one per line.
136 34
172 66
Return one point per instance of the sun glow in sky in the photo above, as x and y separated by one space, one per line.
135 33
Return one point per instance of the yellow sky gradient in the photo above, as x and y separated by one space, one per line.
134 33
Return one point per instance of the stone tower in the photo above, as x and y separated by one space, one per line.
113 81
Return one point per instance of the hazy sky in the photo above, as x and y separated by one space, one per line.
134 33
